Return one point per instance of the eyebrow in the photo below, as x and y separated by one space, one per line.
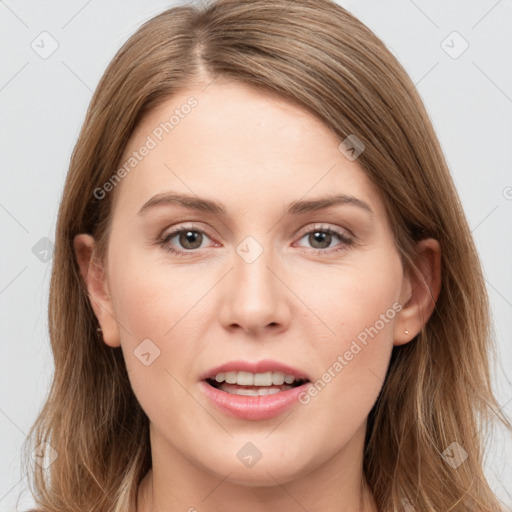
211 206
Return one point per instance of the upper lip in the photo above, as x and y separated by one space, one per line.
263 366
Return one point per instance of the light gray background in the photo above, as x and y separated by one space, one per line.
43 103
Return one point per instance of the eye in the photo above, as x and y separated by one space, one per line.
189 238
321 238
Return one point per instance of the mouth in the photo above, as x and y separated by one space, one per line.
255 384
254 391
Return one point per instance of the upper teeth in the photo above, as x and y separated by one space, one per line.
255 379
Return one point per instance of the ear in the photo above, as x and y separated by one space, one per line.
95 279
419 292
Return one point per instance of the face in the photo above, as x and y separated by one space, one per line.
267 277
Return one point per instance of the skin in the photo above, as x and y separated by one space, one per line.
301 302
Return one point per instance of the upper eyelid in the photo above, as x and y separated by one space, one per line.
175 230
321 227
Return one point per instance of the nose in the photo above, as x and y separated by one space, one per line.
256 298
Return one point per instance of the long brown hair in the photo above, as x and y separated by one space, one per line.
315 53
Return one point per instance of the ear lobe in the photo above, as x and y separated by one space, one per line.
419 292
95 279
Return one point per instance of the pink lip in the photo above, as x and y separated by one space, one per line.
253 407
265 365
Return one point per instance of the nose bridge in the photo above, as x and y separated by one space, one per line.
255 296
253 278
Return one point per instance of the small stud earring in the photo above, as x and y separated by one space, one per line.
406 332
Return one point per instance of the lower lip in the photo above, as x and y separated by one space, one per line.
246 407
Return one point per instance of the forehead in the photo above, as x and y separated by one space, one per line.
243 146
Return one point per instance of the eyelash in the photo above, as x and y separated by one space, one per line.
345 240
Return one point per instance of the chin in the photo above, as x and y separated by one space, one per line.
271 472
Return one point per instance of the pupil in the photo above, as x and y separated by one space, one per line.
320 237
185 239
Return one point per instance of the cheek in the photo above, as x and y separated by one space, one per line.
347 301
156 310
154 298
358 311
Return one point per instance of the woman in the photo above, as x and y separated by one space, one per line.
265 294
